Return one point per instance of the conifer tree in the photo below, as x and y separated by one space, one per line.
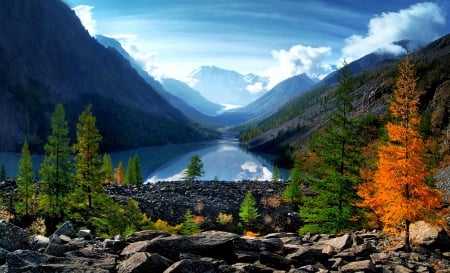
119 176
138 170
107 169
248 211
2 173
398 194
189 225
293 193
194 169
26 189
87 160
337 147
56 169
133 174
276 174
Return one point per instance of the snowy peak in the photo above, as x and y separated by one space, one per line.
226 86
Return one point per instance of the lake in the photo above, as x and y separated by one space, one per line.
222 159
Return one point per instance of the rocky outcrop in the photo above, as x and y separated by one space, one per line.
220 252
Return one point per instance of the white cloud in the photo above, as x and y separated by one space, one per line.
421 22
84 12
146 59
297 60
255 88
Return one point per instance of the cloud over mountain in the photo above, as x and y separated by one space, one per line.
422 22
84 12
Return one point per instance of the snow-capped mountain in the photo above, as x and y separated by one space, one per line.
225 86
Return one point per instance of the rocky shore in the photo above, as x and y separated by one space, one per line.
220 252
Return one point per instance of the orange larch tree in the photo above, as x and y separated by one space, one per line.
398 194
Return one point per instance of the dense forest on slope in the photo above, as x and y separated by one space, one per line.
48 57
293 125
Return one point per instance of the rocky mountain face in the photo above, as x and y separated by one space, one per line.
270 102
304 115
48 57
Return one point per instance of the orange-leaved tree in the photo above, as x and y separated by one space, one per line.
398 193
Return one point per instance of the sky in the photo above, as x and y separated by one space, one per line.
276 39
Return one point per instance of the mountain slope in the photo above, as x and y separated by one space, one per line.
48 57
186 105
291 127
270 102
191 96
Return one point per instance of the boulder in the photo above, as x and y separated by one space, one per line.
3 253
66 229
258 244
170 247
142 262
39 242
191 266
425 235
146 235
339 243
274 260
85 234
13 237
358 266
132 248
307 255
215 244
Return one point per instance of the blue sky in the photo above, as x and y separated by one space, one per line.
273 38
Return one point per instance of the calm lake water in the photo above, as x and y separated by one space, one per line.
223 159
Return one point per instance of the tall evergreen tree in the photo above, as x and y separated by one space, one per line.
293 193
194 169
399 194
87 160
337 147
26 189
107 169
248 211
56 169
138 170
133 174
2 173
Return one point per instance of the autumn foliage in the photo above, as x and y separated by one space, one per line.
398 194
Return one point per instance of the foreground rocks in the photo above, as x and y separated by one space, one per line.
217 252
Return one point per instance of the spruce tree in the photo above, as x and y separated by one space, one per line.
87 160
248 211
337 147
56 169
107 169
138 170
26 189
276 174
194 169
130 174
189 225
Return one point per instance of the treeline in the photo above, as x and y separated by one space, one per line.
71 179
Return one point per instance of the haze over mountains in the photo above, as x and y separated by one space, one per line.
48 57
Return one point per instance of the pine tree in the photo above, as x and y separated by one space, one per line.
2 173
56 169
130 174
26 189
337 147
398 194
194 169
138 170
107 169
87 160
293 193
189 225
248 211
276 174
119 176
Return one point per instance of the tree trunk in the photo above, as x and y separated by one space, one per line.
406 241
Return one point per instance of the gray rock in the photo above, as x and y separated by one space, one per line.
274 260
170 247
13 237
307 255
258 244
66 229
358 266
146 235
39 242
142 262
339 243
215 244
191 266
424 235
132 248
85 234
